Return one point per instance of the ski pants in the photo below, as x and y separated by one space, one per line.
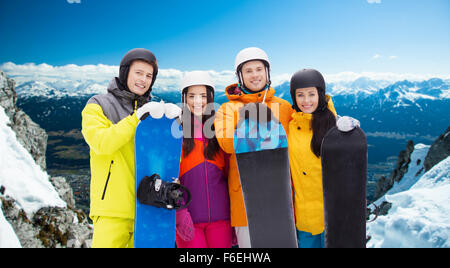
113 232
307 240
209 235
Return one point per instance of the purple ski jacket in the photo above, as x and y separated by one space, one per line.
207 181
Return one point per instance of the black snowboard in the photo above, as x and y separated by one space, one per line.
344 174
263 164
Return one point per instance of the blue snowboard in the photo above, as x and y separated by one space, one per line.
263 164
156 151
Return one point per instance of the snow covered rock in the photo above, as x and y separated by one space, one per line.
8 238
419 216
36 210
439 150
416 206
29 134
403 161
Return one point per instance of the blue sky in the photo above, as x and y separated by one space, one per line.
400 36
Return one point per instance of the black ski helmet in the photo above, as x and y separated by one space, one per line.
137 54
308 78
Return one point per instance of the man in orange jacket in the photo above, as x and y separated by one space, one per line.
252 68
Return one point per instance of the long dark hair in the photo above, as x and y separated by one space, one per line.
212 147
322 121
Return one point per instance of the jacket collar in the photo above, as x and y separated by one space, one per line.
125 96
234 93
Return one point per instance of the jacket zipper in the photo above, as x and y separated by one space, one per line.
206 179
107 179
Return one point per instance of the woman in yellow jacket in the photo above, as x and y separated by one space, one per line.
314 115
253 72
109 122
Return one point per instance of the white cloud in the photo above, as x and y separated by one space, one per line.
169 79
74 1
374 1
378 57
47 72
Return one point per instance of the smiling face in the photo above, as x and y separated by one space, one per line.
140 77
196 99
254 75
307 99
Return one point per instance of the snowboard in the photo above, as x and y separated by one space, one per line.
158 145
344 178
263 164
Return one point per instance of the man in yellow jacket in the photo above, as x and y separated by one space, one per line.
109 122
253 72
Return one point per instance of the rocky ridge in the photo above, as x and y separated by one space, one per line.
439 150
49 226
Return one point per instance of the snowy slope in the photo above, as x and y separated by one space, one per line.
23 179
420 212
8 238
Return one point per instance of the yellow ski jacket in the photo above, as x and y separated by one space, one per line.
108 128
306 171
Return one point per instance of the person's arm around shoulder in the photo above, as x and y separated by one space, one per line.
224 124
283 113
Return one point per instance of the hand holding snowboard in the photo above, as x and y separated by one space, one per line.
157 110
260 138
157 151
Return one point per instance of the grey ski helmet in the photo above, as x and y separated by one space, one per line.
308 78
137 54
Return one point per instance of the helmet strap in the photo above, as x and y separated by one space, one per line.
268 76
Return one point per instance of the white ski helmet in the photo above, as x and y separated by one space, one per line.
249 54
197 78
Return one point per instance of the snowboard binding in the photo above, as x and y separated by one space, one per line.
156 192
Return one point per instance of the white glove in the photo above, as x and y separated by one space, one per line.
154 109
346 123
172 110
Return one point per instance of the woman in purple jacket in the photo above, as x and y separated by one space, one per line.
205 223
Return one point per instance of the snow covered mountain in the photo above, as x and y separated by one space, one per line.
420 208
36 210
60 88
31 187
392 109
32 212
390 113
22 179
